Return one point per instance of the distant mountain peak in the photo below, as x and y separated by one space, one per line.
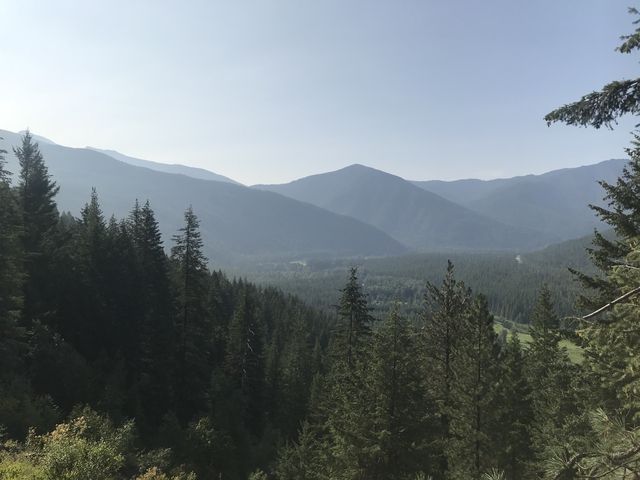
362 168
357 166
411 215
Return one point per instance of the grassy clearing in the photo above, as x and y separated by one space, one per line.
574 351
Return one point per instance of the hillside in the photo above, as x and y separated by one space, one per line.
200 173
238 223
415 217
555 203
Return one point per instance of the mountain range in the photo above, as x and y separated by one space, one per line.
554 203
418 218
354 211
237 223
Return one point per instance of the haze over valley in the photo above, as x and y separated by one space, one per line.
356 211
319 240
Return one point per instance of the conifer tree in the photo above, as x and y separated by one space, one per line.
297 370
402 413
597 109
354 312
553 379
193 325
245 362
36 193
12 340
95 333
515 415
474 416
611 336
94 233
545 325
612 344
303 460
338 435
156 348
621 214
614 100
444 321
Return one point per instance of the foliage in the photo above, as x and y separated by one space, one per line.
615 99
608 449
107 319
613 452
87 446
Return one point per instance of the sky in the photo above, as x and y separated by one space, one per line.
266 91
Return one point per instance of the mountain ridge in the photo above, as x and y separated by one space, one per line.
554 202
414 216
237 223
177 168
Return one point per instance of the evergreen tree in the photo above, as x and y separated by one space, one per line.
553 379
611 336
303 460
12 340
611 451
597 109
244 362
614 100
155 349
402 414
474 416
611 344
444 320
354 312
515 415
193 325
92 333
545 325
36 193
297 370
622 215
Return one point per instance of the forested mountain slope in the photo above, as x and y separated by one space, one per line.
238 222
555 202
165 369
418 218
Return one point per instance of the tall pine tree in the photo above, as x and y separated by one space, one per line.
553 379
474 416
36 194
444 320
12 340
355 319
515 415
193 325
156 342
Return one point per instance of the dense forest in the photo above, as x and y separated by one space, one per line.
122 361
509 281
100 326
125 362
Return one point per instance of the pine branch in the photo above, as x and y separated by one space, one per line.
612 303
604 308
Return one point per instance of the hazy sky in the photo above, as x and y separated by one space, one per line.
268 91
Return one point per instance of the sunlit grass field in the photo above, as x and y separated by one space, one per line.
576 353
